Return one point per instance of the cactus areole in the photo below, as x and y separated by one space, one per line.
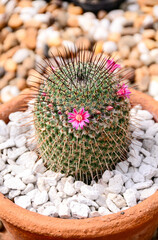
81 116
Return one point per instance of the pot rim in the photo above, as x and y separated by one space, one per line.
128 220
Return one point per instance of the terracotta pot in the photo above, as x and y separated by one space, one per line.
138 222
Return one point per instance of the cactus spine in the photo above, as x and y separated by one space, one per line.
82 91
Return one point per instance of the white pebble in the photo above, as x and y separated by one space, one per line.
20 141
29 179
147 171
27 159
14 183
130 197
14 193
69 189
143 185
4 190
9 143
8 92
137 177
79 210
3 128
116 184
64 211
2 165
23 201
50 211
40 198
104 211
147 193
89 192
107 175
117 199
151 161
112 207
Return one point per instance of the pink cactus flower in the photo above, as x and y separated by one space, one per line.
124 91
44 94
78 119
112 65
50 105
109 108
53 68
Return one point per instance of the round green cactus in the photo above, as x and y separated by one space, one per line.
81 116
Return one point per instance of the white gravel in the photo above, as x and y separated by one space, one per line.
26 181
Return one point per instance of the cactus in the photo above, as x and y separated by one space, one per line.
81 116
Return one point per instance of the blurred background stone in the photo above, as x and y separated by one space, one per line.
32 30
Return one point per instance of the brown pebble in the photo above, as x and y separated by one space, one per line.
150 44
10 41
148 33
153 69
72 21
30 40
99 47
29 63
25 3
2 9
21 83
76 10
142 78
129 31
10 65
115 37
83 42
101 14
134 63
124 51
21 71
54 42
15 21
7 77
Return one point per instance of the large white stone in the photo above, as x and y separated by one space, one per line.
14 193
117 199
64 211
29 179
89 192
20 140
39 167
152 130
147 171
2 165
50 211
27 159
40 198
104 211
88 202
14 183
16 152
116 184
111 206
143 185
107 175
137 177
147 193
4 190
69 189
78 185
79 210
23 201
151 161
144 115
9 143
3 128
130 197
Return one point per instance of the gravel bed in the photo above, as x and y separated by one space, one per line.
27 183
31 30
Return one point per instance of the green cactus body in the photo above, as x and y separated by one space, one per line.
83 153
